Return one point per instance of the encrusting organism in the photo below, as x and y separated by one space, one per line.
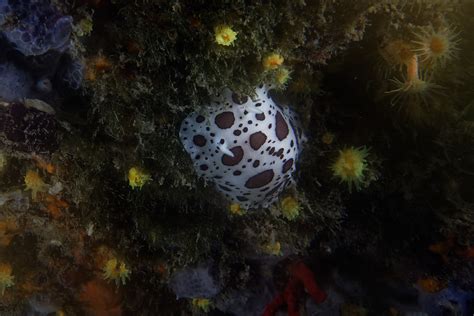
235 209
350 166
6 277
116 271
272 61
224 35
414 87
290 208
282 76
436 46
137 178
203 304
34 183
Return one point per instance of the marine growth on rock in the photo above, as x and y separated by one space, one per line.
248 147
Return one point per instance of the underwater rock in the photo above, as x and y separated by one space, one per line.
249 148
37 47
15 83
39 27
71 74
450 301
28 129
248 302
194 282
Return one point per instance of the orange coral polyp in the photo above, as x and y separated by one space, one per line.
437 45
412 69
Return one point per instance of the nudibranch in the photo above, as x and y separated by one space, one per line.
248 147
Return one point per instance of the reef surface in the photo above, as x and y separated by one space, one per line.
146 167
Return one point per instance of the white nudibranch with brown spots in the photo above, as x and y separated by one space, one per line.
248 148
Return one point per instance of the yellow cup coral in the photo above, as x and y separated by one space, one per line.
34 183
3 161
203 304
282 76
224 35
235 209
137 178
272 61
290 208
273 248
350 166
436 46
6 277
116 271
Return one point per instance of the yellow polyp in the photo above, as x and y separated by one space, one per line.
236 209
34 183
203 304
273 248
350 166
116 271
224 35
137 178
272 61
290 208
6 277
282 76
412 69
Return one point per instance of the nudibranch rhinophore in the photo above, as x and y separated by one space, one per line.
247 147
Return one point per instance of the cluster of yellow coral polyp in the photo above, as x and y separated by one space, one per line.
418 59
6 277
351 166
225 35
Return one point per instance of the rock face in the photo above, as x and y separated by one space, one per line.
194 282
36 45
248 148
28 129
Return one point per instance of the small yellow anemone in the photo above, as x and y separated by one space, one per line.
436 46
290 208
273 248
327 138
6 277
137 178
236 209
282 76
350 166
415 88
272 61
203 304
224 35
34 183
397 53
117 271
3 161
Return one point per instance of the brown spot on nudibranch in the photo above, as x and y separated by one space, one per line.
200 119
239 99
281 127
257 139
225 120
260 116
287 165
232 161
260 180
199 140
